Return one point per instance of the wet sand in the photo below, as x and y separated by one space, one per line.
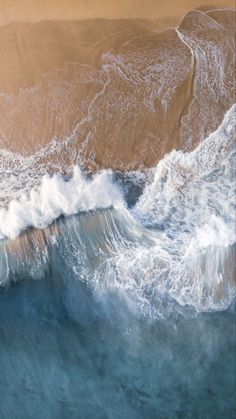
121 90
30 10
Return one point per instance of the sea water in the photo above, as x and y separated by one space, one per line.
118 291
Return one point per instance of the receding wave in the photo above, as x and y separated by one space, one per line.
114 94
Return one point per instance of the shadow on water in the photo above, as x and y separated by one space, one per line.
66 354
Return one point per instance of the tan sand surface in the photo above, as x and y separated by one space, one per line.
34 11
112 78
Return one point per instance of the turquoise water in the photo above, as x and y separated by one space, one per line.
57 364
127 309
68 351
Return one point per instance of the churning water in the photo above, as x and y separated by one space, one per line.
112 295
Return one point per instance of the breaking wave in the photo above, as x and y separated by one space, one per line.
171 250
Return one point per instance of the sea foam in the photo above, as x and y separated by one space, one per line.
177 244
57 196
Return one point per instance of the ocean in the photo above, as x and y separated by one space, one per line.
118 284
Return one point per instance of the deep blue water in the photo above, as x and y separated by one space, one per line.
66 354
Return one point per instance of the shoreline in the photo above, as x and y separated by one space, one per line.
114 93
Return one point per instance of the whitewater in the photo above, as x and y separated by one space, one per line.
176 243
118 218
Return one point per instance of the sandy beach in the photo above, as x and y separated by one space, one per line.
169 10
64 75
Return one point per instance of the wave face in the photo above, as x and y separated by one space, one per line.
173 250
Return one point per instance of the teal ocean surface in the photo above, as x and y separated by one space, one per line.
118 291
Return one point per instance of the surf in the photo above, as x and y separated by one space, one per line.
176 243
